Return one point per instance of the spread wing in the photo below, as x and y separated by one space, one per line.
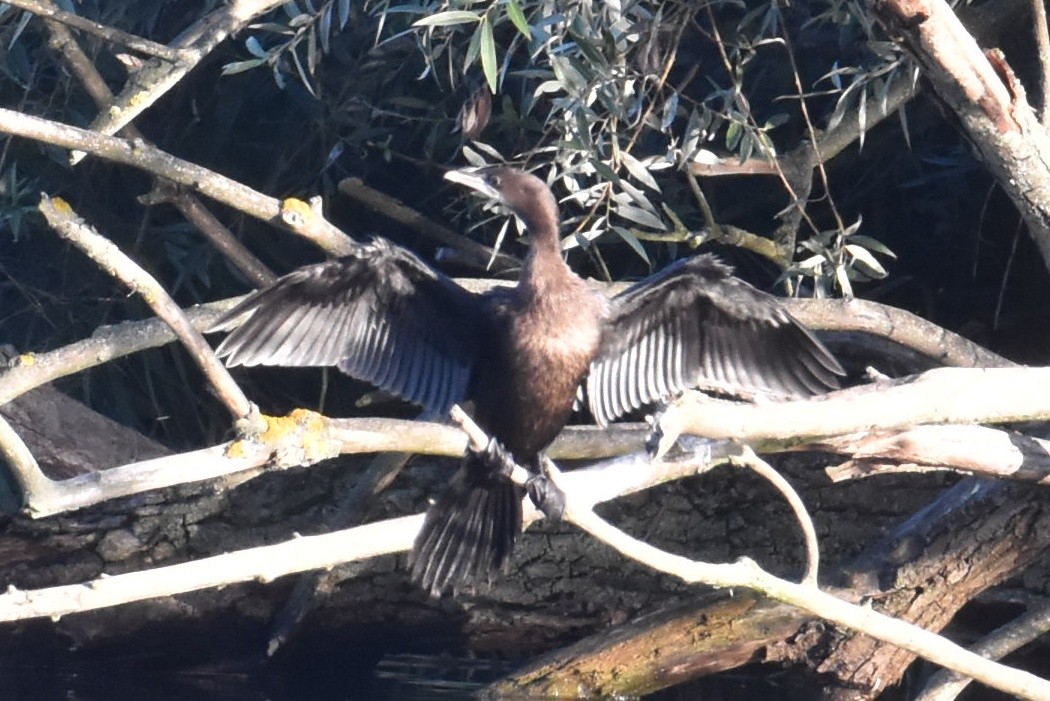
381 315
693 324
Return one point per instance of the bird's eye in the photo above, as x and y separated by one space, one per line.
494 180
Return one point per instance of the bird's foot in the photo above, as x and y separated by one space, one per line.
544 491
498 458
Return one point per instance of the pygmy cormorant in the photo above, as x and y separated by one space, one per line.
521 354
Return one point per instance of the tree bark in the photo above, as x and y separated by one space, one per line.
562 586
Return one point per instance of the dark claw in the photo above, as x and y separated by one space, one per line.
497 457
546 496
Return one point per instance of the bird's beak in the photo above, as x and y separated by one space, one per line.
472 178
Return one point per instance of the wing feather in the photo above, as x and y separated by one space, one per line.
694 324
380 314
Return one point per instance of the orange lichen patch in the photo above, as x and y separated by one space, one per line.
295 212
277 428
308 419
61 206
239 449
27 359
300 438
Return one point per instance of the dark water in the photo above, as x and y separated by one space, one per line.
394 678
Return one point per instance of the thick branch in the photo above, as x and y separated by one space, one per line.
746 573
298 439
614 478
941 396
981 450
151 159
989 101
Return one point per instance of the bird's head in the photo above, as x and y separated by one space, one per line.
520 192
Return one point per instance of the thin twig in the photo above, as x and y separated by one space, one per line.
253 269
797 202
62 42
811 131
751 461
471 251
112 260
31 370
114 36
153 80
1042 42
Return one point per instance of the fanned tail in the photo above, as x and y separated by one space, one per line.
470 531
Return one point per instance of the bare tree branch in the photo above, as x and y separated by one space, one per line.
1042 41
583 488
603 482
253 269
946 685
113 261
62 42
745 573
156 78
110 34
941 396
33 483
292 214
471 251
981 450
981 89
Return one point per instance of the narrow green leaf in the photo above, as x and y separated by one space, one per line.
866 262
255 48
518 18
493 153
473 49
473 157
445 19
638 171
632 241
324 31
873 244
811 265
605 171
581 240
488 53
241 66
640 216
733 134
842 277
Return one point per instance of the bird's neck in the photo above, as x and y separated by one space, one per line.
544 264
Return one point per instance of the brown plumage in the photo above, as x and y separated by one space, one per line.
521 354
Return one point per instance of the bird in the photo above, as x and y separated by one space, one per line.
522 355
